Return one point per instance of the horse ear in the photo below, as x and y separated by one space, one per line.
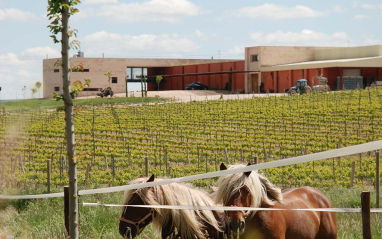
151 179
222 167
248 173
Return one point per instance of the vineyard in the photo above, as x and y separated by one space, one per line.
113 141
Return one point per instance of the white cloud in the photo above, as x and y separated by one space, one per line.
25 69
153 10
138 46
303 38
370 6
371 40
41 52
16 15
100 1
236 51
279 12
200 35
83 14
360 17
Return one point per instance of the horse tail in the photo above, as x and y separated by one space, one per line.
273 193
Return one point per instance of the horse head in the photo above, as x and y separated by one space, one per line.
134 219
241 198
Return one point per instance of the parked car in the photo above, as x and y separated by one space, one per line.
196 86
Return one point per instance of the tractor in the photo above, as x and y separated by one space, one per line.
301 87
106 92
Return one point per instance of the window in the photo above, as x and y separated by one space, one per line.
80 70
56 70
92 89
137 72
254 58
56 88
114 80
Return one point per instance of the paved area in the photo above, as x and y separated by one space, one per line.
197 95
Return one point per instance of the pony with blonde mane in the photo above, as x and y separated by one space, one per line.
171 223
250 189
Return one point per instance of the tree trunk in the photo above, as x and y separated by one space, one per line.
142 86
69 127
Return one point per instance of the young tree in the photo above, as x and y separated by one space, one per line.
34 91
38 86
159 79
108 74
145 85
24 91
142 85
58 12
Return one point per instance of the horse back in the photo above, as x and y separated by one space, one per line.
290 224
310 197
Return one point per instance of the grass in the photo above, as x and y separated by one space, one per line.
44 218
41 104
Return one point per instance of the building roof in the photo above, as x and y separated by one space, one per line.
353 62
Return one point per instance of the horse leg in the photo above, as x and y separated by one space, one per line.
328 226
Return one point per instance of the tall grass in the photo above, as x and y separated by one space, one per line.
44 218
36 104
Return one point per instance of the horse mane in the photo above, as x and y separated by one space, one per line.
189 223
260 188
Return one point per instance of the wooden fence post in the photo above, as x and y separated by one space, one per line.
51 163
165 161
226 156
106 165
66 208
48 166
206 163
21 165
352 174
61 166
88 168
112 166
366 227
188 157
216 164
197 147
377 184
265 152
147 165
2 174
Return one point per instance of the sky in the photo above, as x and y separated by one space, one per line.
176 29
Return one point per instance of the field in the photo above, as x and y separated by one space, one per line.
113 140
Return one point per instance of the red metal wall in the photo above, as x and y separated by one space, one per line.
213 81
277 81
283 80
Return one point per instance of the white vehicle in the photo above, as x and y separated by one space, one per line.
323 86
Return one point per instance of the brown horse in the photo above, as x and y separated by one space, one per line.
171 223
250 189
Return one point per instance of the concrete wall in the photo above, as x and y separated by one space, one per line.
98 66
347 52
274 55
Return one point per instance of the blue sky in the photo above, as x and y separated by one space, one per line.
177 29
